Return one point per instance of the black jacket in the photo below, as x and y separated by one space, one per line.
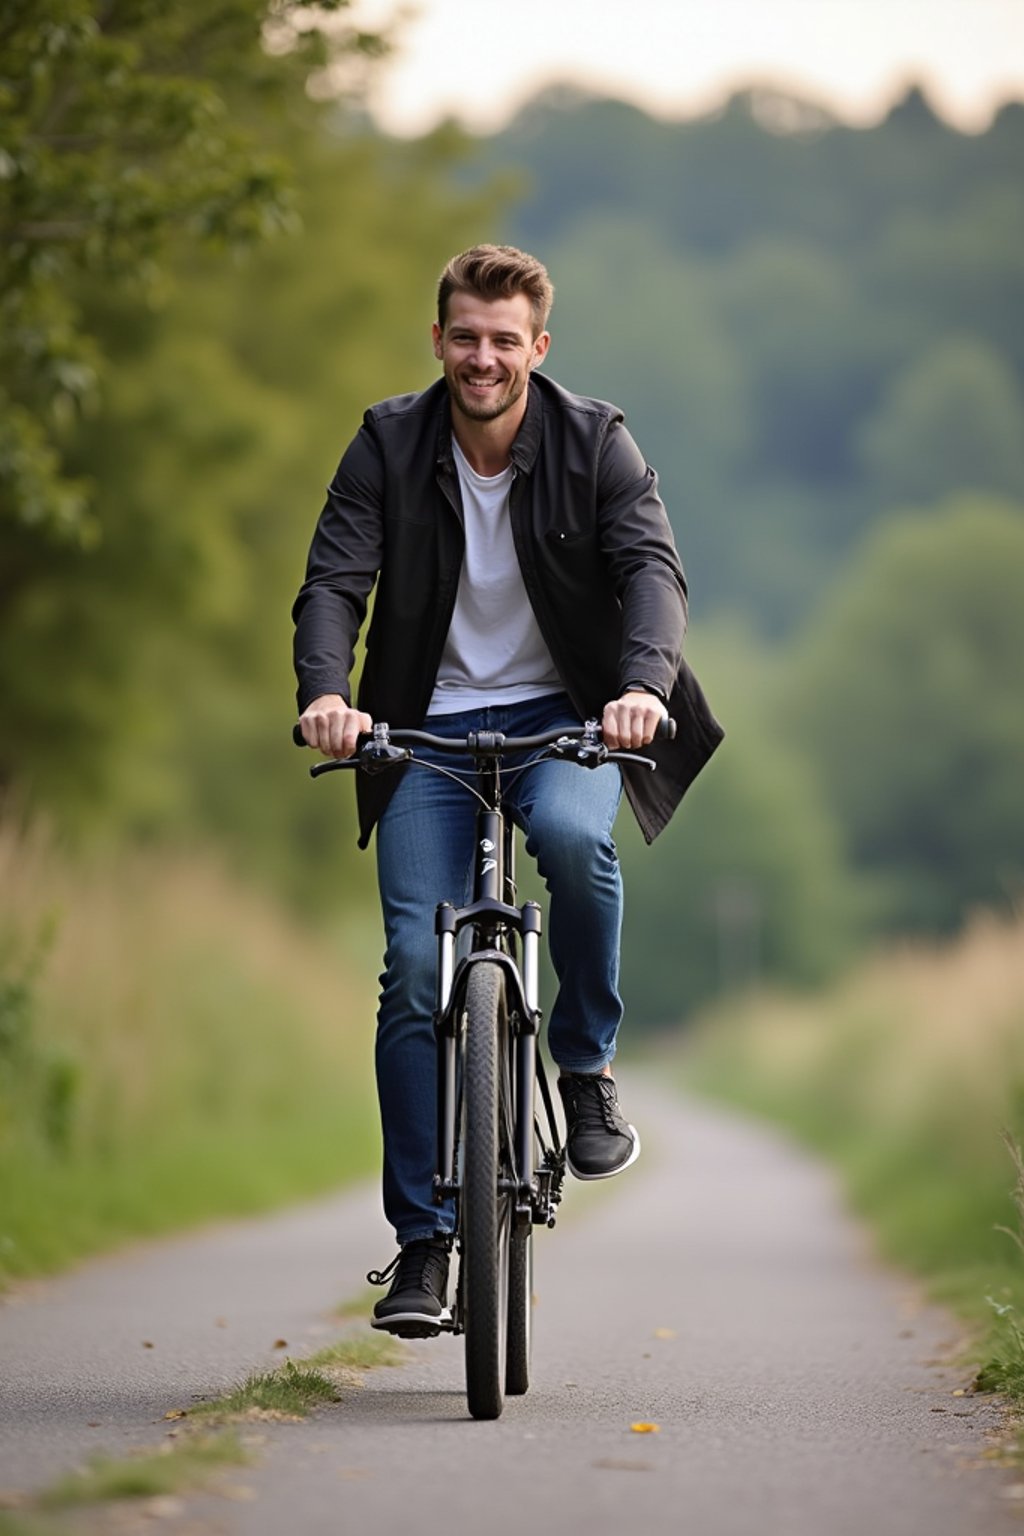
597 556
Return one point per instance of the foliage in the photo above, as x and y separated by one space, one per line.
223 411
811 328
119 138
748 880
851 300
952 417
173 1048
905 693
212 266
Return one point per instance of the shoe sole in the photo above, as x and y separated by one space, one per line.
414 1325
590 1178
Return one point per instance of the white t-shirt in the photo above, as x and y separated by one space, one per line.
495 653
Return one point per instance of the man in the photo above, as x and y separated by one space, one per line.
526 577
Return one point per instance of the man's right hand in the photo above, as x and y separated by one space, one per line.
333 726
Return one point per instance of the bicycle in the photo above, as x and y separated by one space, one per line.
500 1161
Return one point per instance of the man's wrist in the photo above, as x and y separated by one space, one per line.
636 685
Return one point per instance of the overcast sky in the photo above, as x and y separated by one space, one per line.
480 59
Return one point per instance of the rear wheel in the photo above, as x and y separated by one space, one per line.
486 1213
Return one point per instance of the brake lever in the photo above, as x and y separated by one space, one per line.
630 757
374 757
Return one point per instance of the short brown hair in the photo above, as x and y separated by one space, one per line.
497 272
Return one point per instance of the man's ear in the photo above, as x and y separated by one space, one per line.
540 349
436 334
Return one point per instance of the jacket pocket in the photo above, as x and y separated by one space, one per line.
568 539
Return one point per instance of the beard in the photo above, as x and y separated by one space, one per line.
505 395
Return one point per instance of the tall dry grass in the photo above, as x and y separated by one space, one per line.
172 1046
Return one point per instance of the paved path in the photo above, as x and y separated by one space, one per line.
716 1290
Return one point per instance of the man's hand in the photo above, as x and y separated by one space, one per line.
333 726
632 721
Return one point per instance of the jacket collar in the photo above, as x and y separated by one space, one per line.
527 440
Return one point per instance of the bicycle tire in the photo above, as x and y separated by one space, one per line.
485 1214
519 1346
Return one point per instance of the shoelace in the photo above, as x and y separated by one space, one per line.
382 1276
595 1103
413 1266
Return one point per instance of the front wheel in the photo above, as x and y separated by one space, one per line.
486 1212
520 1311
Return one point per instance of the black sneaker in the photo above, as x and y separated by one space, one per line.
599 1143
416 1306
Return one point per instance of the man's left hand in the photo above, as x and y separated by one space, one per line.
633 720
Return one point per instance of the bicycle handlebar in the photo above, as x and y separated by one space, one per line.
488 743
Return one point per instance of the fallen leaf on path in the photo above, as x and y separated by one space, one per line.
176 1413
148 1344
280 1344
664 1333
646 1429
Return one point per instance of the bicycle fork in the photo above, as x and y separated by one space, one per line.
522 992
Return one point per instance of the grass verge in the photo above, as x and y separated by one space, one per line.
173 1047
188 1462
291 1391
910 1077
209 1442
298 1387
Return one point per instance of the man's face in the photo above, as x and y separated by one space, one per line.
488 349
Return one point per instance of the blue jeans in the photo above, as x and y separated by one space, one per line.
425 855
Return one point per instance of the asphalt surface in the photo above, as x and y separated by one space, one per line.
716 1290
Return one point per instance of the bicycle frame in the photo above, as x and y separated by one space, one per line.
496 923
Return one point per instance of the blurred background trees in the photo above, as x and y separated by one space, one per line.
211 263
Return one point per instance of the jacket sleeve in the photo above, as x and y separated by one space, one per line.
344 559
641 557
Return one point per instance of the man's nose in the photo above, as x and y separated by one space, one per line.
483 353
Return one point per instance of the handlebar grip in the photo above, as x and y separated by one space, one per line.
666 730
297 736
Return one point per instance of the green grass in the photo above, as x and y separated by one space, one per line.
205 1446
361 1352
908 1077
187 1462
172 1048
296 1388
18 1524
293 1391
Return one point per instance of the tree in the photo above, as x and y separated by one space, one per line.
144 643
905 692
747 883
951 420
119 141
